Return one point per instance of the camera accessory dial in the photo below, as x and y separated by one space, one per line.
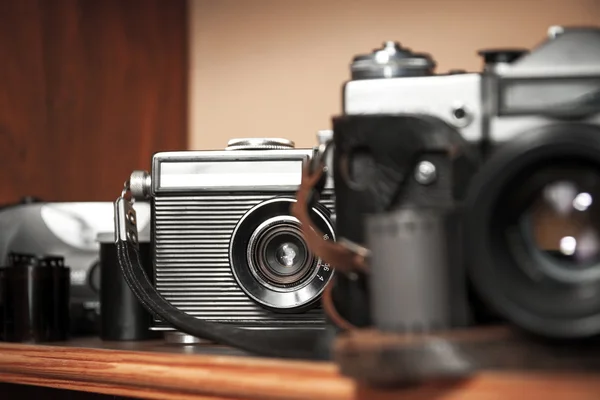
391 61
260 144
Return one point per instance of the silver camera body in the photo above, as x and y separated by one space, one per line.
225 246
517 91
68 230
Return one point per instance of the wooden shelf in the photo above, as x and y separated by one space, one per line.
155 370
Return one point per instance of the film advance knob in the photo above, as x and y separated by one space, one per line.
259 144
391 61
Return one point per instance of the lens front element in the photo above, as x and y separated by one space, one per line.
286 254
278 255
564 219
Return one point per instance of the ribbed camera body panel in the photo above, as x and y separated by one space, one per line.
191 236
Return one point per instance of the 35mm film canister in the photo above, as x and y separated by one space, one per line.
417 280
35 299
122 315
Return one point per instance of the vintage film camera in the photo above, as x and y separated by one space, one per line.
225 246
512 152
68 230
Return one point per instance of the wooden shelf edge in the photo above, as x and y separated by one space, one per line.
155 375
108 389
190 375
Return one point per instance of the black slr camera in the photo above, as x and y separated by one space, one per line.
477 194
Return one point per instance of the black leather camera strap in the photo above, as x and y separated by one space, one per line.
305 344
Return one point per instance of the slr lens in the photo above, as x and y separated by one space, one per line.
271 261
533 231
562 222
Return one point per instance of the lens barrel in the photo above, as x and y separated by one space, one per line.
271 261
543 277
278 255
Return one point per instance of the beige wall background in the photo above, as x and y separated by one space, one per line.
275 67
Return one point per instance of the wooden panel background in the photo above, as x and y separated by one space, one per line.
89 89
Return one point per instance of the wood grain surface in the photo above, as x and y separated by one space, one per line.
30 391
386 358
155 370
88 91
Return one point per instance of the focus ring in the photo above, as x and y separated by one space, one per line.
258 253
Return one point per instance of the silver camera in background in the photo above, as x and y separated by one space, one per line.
68 230
225 246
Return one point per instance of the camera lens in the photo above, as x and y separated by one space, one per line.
532 230
286 255
547 224
271 261
563 223
278 254
552 223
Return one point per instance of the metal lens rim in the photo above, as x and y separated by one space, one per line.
276 299
256 252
